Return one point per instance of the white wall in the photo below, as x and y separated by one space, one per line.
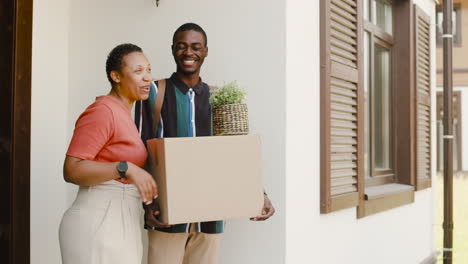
48 126
246 42
402 235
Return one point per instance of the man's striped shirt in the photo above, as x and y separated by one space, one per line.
186 112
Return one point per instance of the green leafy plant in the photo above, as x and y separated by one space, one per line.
229 93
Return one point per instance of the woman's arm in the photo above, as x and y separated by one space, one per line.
87 172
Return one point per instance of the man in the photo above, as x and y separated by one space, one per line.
186 96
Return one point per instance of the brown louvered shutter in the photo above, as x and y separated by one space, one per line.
341 103
423 98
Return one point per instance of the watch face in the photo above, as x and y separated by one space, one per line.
122 167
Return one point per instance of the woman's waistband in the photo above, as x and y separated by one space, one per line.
113 188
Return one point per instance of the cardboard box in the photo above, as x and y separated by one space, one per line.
207 178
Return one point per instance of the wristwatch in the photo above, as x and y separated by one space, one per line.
122 168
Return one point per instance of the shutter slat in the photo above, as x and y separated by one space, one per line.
425 42
343 37
343 53
343 165
423 61
349 47
343 140
343 116
424 118
423 55
342 149
343 156
343 108
424 29
346 100
343 21
423 145
343 132
343 91
340 28
422 139
424 165
423 58
343 181
343 84
423 131
423 150
425 82
343 124
343 189
343 173
424 26
348 6
351 3
424 160
341 12
423 109
342 60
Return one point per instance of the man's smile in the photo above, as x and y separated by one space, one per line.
188 62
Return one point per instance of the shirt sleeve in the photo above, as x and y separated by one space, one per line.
93 130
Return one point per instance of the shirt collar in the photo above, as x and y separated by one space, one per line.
183 87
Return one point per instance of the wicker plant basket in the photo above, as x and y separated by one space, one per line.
231 119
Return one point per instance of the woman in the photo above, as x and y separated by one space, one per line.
105 158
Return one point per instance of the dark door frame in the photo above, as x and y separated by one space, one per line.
16 56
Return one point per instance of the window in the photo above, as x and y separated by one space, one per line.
456 25
386 43
378 92
375 104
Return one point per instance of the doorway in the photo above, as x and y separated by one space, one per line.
15 131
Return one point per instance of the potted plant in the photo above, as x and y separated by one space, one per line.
230 115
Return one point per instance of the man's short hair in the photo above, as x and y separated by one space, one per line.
114 60
190 26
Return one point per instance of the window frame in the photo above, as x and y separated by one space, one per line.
403 181
378 36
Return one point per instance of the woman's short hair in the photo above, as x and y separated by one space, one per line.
114 60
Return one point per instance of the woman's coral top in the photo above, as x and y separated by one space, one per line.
105 132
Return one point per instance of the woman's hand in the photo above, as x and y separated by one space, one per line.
144 183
